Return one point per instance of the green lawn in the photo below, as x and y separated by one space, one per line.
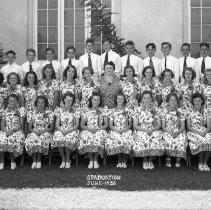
133 178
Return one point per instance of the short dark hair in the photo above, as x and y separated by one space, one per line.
90 99
168 43
11 52
163 74
120 94
1 78
70 95
68 68
185 44
17 75
30 50
48 66
12 95
145 69
204 44
192 71
41 97
129 67
197 95
90 41
145 93
25 81
87 68
49 49
70 48
110 63
129 42
173 94
151 44
106 40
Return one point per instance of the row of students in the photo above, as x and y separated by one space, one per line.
147 132
97 63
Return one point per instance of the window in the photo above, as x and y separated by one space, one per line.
200 24
61 23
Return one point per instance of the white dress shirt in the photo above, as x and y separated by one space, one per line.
7 69
172 64
115 58
207 60
190 62
35 66
156 64
75 63
57 68
96 64
135 61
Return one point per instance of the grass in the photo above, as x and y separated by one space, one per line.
134 178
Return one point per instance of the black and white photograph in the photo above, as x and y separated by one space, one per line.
105 104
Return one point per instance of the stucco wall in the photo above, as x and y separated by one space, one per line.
13 27
146 21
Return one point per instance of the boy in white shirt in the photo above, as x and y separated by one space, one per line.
31 64
151 60
91 60
49 53
71 61
11 66
169 61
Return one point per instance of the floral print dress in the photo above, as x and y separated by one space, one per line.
207 95
3 95
119 143
67 120
144 144
18 90
35 143
48 90
15 142
197 142
174 147
93 142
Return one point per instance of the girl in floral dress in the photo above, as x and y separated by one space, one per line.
187 87
11 136
150 83
86 87
3 94
173 125
14 86
70 83
129 87
40 126
93 135
66 135
49 86
167 85
147 134
120 140
207 88
199 131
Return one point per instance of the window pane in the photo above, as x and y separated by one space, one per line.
80 34
68 4
68 18
42 4
79 49
42 17
52 4
206 3
195 50
206 33
42 35
106 3
79 4
79 17
52 18
68 34
55 48
195 16
53 35
206 15
195 33
41 51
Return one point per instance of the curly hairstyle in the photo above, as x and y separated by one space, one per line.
25 81
17 75
48 66
41 97
67 69
90 99
70 95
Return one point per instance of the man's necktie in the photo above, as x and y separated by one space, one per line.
203 66
30 67
185 64
106 59
165 65
70 62
89 61
128 61
151 63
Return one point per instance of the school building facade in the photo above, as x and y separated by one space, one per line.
58 23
